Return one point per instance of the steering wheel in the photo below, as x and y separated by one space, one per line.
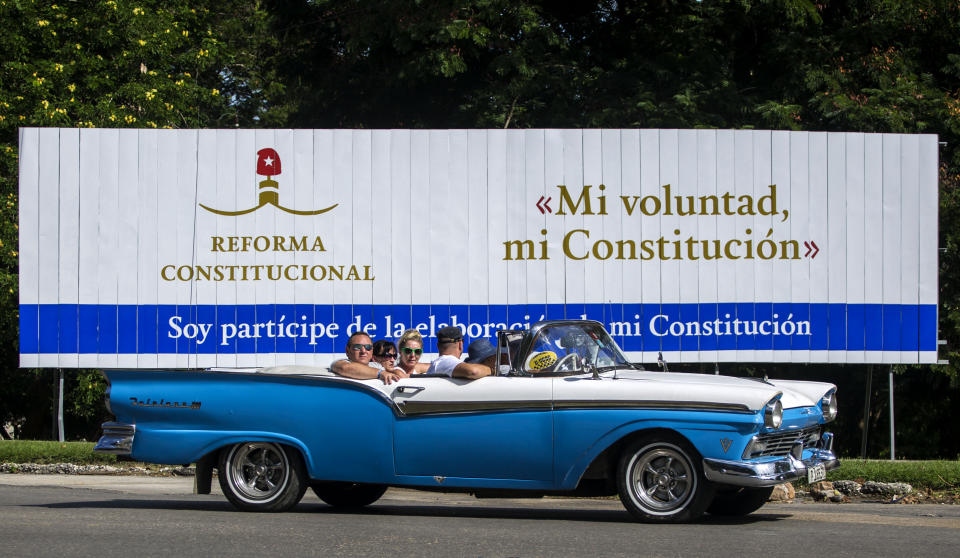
568 363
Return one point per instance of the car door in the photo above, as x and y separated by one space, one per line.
491 428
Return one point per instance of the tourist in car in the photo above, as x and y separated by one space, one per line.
385 355
411 348
483 352
357 364
449 363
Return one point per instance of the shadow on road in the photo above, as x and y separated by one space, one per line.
538 512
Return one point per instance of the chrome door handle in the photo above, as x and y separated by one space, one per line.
410 389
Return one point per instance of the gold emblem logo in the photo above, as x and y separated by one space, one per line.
725 443
268 164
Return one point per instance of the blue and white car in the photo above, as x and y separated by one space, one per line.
565 413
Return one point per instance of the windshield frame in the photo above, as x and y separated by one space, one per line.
533 334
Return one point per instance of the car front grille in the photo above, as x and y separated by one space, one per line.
779 443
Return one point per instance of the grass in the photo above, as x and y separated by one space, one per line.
935 475
29 451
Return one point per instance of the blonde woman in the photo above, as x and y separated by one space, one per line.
411 348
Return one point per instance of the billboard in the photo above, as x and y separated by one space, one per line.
241 248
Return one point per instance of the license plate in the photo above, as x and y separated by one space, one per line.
816 473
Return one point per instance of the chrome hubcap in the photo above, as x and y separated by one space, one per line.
258 470
662 479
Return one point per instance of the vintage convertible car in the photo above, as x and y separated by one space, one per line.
565 413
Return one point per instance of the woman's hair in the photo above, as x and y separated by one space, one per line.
410 335
383 346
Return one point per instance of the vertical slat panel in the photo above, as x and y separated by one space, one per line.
107 243
205 291
48 246
28 244
892 248
744 268
910 249
726 231
835 251
612 226
593 267
763 233
873 253
707 295
224 190
535 222
650 278
855 248
128 225
782 226
688 280
246 196
68 263
927 211
819 232
632 230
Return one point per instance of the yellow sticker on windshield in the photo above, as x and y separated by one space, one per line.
542 360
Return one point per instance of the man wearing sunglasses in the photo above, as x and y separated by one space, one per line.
449 363
357 364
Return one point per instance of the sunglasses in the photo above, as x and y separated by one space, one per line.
387 355
409 351
358 346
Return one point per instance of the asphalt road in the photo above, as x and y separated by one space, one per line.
50 515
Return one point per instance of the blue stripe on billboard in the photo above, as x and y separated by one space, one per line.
304 328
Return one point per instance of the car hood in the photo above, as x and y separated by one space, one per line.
672 387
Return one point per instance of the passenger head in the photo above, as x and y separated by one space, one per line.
450 341
359 348
384 351
411 347
483 352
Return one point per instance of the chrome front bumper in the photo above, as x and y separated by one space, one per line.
759 474
117 438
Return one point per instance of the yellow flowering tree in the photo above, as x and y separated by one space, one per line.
114 63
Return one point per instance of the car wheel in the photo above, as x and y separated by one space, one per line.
661 480
739 501
261 476
348 494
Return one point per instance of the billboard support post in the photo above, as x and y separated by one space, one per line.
893 441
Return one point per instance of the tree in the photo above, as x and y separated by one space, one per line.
110 64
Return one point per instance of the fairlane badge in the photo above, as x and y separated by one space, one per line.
163 403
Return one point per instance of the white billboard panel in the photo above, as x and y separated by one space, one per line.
198 248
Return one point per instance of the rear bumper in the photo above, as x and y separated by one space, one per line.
117 438
759 474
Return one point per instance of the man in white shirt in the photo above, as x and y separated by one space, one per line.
450 363
357 364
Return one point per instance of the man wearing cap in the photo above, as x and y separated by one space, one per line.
449 363
483 352
357 364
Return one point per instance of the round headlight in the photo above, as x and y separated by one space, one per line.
829 405
773 414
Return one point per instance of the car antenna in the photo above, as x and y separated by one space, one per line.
662 363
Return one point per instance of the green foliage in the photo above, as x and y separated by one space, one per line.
28 451
861 65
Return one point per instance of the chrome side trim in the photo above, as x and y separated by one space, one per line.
768 473
117 438
412 408
675 405
409 408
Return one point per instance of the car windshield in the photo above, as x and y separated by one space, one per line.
561 349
